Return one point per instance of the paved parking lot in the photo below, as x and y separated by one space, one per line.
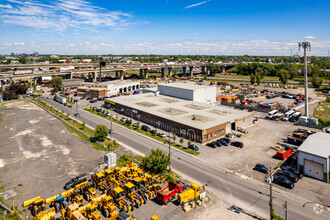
39 155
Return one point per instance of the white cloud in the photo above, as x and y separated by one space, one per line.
5 6
251 47
310 37
196 4
60 15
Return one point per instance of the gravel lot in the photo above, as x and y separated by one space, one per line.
38 152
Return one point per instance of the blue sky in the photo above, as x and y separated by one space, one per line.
164 26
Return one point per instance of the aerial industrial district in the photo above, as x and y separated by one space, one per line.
166 140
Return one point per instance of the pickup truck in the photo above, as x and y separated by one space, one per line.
74 181
168 193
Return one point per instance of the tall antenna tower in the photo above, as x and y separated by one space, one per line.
291 52
307 47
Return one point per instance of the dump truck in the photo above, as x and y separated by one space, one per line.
35 205
284 152
169 193
190 194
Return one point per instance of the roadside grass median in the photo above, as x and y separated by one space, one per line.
163 140
112 145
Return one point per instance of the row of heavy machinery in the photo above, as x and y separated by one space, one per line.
114 192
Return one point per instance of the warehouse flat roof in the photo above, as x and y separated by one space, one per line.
194 114
189 86
317 144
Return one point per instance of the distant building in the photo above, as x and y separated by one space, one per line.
87 60
107 89
198 93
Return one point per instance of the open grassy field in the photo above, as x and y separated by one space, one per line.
322 112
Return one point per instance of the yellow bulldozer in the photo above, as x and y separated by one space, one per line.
35 205
99 180
90 211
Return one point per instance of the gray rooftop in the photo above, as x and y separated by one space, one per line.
194 114
189 86
317 144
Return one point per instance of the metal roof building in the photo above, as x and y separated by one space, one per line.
314 156
198 121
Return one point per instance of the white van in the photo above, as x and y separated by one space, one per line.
271 114
295 117
287 115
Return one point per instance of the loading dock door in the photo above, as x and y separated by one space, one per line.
233 126
313 169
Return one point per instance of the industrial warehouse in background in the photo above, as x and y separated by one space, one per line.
196 120
107 89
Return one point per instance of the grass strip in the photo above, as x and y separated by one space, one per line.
178 146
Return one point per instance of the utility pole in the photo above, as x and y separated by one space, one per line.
269 179
285 206
169 148
307 46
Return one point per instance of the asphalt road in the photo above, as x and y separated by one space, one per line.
250 195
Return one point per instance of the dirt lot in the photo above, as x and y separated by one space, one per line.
38 155
264 134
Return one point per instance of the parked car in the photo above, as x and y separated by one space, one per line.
65 104
145 128
111 131
76 114
237 144
194 147
161 135
153 131
70 106
217 143
211 145
74 181
293 170
288 174
283 181
260 167
226 139
136 124
223 142
123 119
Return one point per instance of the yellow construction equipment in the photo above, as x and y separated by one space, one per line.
35 205
154 217
189 194
90 211
118 195
45 215
86 188
108 208
131 193
143 187
99 181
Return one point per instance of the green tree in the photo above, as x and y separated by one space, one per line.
156 162
181 141
56 82
174 138
283 74
205 77
258 78
101 132
293 72
253 79
189 142
316 81
22 60
83 125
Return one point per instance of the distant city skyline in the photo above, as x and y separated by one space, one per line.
164 27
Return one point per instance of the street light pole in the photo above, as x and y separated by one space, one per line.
169 148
